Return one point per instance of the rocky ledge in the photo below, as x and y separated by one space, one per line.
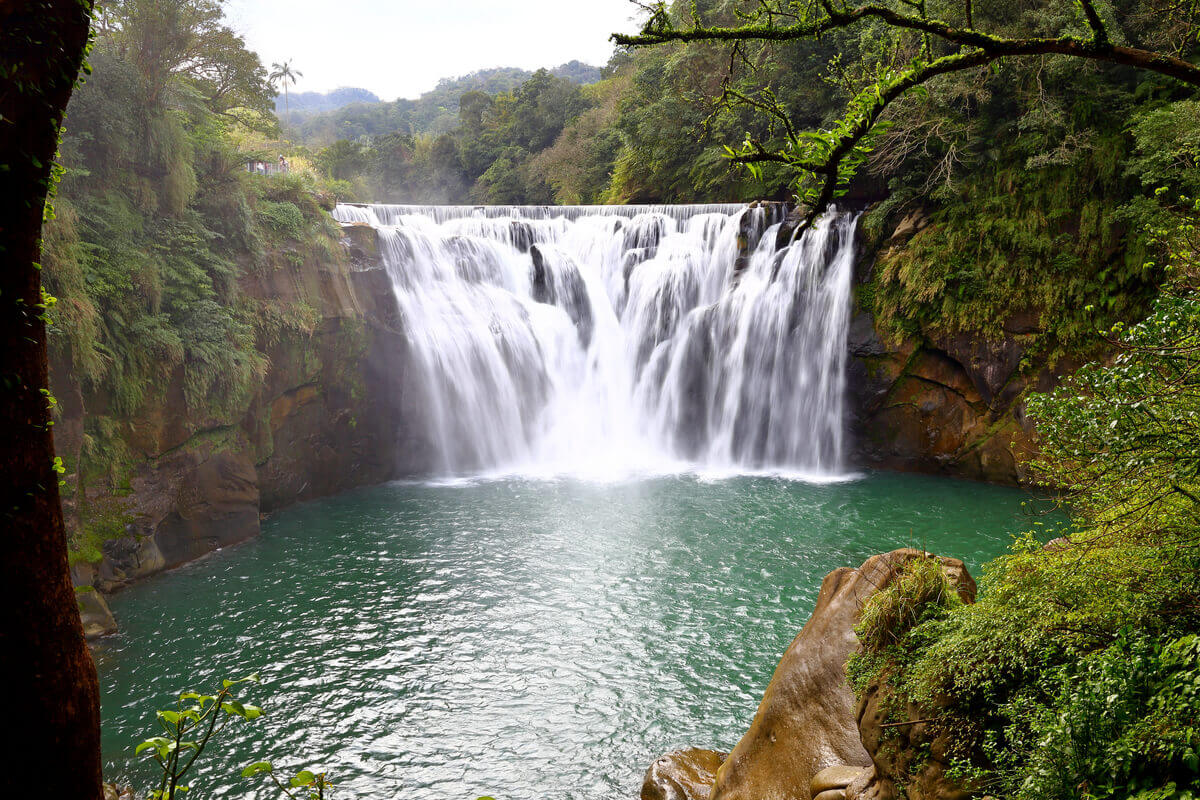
811 739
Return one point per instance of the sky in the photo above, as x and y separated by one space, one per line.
402 48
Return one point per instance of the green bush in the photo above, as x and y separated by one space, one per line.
919 592
1075 675
285 219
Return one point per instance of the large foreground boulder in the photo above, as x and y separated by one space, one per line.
807 723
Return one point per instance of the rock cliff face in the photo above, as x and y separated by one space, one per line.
951 408
943 404
805 742
325 418
926 402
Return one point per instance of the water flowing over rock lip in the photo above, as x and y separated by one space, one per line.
381 212
613 343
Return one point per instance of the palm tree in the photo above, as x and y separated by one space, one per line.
285 74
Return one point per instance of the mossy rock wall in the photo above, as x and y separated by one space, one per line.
327 415
948 403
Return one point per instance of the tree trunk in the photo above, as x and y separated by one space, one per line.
52 702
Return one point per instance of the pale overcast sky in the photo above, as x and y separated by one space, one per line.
401 49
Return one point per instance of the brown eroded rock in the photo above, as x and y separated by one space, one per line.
806 721
186 504
682 775
362 244
911 752
93 611
835 778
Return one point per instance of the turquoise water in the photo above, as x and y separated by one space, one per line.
514 638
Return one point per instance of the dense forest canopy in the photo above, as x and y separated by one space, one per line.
314 102
1052 160
909 49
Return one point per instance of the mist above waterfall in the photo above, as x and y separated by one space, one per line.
611 340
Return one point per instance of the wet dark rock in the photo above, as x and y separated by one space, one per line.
563 287
184 505
94 612
862 339
951 407
362 243
990 364
522 235
645 233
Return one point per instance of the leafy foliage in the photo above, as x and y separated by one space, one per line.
198 720
918 592
1122 440
189 727
157 226
1075 674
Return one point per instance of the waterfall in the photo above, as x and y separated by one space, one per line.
609 340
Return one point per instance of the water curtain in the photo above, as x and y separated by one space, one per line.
616 339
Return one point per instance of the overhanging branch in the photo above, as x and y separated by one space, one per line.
1098 48
975 48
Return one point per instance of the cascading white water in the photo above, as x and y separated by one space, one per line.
605 340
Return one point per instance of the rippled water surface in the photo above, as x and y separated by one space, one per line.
515 638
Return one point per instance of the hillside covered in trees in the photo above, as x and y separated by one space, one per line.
434 112
1052 162
304 103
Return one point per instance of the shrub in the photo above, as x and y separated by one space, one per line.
285 218
919 592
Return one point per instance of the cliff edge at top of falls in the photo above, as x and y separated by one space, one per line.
810 738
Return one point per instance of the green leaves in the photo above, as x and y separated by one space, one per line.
257 768
189 727
303 778
1122 439
160 744
244 711
314 783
